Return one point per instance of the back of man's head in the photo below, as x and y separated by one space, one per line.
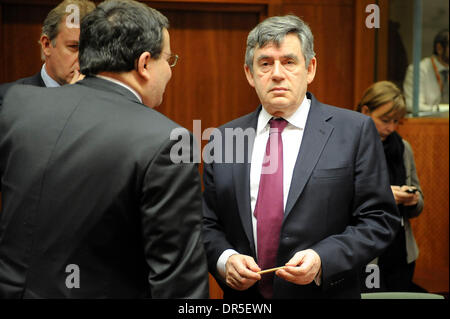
57 15
114 35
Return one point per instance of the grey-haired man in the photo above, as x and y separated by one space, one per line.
324 211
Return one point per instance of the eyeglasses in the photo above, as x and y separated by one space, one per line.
172 59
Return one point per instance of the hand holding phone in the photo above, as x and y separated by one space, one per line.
411 190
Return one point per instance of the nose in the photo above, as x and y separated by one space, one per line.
277 72
391 127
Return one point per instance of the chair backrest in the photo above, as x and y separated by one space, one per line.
400 295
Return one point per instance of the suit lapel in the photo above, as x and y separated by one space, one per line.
37 80
317 132
241 180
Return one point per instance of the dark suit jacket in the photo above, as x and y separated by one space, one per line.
87 180
340 203
35 80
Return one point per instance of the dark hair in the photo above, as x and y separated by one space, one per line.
116 33
442 39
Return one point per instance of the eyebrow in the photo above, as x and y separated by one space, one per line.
287 56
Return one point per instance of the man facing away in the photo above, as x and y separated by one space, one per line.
93 206
311 195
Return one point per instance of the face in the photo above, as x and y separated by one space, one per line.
384 123
443 52
280 76
159 74
62 59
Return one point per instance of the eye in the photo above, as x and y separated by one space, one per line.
265 65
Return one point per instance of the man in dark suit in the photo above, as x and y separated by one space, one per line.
309 194
59 47
93 206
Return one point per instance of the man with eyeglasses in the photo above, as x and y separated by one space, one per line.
93 206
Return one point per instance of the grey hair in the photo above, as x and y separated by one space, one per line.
51 23
273 30
55 17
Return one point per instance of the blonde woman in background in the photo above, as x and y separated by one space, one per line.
385 104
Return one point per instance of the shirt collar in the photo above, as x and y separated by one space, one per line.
48 81
297 119
122 84
440 67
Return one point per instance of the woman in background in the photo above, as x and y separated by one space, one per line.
385 104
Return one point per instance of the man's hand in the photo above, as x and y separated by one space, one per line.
302 268
241 272
77 76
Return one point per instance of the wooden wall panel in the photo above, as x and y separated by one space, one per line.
209 83
364 48
333 43
429 139
20 33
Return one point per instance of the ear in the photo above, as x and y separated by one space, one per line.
249 75
311 72
365 110
45 45
143 65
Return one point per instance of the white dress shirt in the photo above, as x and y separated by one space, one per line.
48 81
292 136
429 89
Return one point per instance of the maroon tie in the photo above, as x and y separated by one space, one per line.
269 209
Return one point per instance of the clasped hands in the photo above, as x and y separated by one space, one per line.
242 270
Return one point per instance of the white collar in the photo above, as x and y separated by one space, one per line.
297 119
440 67
48 81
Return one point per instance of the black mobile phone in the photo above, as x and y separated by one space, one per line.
411 190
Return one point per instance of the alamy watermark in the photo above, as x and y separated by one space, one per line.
373 278
230 145
373 19
73 279
73 17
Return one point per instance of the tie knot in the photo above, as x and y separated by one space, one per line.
279 124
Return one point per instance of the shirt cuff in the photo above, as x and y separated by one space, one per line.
222 261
